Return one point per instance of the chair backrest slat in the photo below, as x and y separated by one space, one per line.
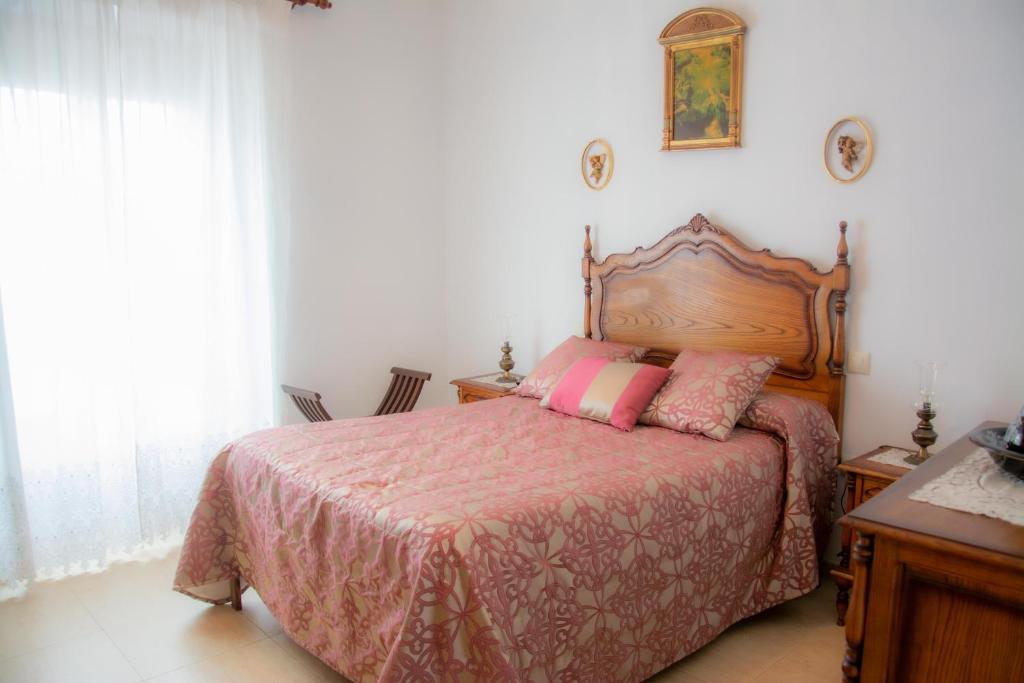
404 391
415 374
402 400
415 394
394 391
308 403
303 406
317 409
385 403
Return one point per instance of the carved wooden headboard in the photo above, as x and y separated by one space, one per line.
701 288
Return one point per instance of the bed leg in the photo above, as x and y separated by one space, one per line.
236 594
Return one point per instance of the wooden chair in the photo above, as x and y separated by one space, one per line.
401 396
404 391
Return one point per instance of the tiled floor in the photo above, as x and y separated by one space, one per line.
127 625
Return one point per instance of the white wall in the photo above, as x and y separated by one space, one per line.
435 184
365 281
936 233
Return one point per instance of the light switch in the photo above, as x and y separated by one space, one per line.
859 362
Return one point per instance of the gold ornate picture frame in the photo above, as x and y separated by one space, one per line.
703 79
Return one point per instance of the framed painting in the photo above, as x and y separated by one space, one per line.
703 79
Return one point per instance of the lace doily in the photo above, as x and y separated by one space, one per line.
493 381
894 457
979 486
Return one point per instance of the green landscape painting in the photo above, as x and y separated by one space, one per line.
700 101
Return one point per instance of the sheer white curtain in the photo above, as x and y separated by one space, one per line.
136 205
15 552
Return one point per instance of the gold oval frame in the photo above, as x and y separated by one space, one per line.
867 158
610 166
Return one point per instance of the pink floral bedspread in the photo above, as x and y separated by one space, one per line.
502 541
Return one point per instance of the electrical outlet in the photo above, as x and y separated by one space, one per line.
859 362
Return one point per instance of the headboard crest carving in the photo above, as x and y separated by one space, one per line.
697 224
701 288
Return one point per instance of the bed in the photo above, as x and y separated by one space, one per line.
502 541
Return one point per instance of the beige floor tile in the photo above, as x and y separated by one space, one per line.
740 653
728 660
325 673
261 662
122 587
157 629
127 623
751 647
157 643
824 638
794 669
92 659
48 615
814 609
815 659
675 674
817 656
258 613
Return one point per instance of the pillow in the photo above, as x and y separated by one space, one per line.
547 373
708 392
606 391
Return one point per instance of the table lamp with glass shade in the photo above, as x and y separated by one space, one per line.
924 436
506 363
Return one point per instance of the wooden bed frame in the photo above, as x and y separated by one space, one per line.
701 288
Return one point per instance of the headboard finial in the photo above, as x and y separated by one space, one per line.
588 261
840 283
843 250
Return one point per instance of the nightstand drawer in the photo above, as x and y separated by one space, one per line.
865 479
473 389
469 397
871 488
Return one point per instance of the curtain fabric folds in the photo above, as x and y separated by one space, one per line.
137 205
15 550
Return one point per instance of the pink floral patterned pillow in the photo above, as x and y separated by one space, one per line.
708 392
547 373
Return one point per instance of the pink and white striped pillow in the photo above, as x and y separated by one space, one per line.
545 376
606 391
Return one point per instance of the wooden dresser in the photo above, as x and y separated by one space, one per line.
865 479
471 390
938 595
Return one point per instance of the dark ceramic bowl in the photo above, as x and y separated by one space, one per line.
991 439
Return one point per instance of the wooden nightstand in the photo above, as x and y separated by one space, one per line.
472 389
865 479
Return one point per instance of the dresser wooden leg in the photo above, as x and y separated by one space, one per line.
863 549
842 584
842 604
